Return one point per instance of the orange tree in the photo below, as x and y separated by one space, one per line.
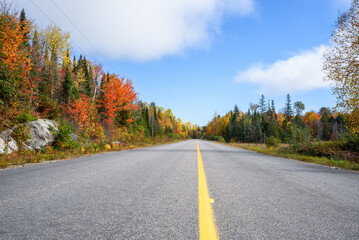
118 95
83 112
15 65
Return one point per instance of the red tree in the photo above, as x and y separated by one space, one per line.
118 95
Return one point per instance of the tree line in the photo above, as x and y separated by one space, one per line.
262 121
40 78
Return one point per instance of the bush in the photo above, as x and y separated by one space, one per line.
329 149
216 138
272 141
21 133
350 142
64 137
345 155
25 118
320 149
299 137
48 107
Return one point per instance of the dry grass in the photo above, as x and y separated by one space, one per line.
22 158
283 151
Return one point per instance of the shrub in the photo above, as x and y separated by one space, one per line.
299 137
123 135
216 138
350 142
48 107
272 141
345 155
64 137
25 118
319 149
21 133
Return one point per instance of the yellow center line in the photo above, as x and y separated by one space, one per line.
207 228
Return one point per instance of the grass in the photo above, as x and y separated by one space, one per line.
283 151
21 158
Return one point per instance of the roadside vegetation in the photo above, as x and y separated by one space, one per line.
76 149
322 137
284 151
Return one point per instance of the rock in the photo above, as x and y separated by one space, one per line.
2 146
41 134
7 143
9 146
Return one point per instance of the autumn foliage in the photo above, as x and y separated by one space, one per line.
83 112
14 61
40 78
118 95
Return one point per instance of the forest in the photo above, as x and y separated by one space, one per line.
41 79
325 133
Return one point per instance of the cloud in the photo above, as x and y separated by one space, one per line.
301 72
139 29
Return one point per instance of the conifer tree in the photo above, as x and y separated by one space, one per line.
262 104
88 81
67 86
23 28
288 110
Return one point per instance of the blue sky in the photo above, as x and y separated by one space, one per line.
201 56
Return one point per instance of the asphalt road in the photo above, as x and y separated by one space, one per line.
152 193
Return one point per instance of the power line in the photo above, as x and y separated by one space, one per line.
56 25
83 52
83 35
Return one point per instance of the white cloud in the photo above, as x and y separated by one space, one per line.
139 29
301 72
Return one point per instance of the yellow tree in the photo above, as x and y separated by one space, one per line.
341 64
168 120
57 43
56 47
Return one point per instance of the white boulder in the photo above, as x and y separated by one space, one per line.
41 135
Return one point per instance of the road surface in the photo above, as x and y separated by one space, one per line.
152 193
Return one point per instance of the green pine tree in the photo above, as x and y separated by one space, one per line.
67 86
23 24
288 110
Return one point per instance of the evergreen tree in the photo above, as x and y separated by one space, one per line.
88 81
324 124
153 119
273 129
147 121
262 104
74 65
67 86
288 110
23 23
108 76
233 126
